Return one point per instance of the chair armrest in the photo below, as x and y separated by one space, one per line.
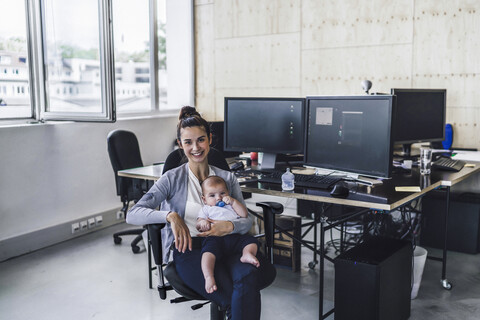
275 207
155 234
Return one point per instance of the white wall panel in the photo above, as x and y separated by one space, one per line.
328 47
340 23
340 71
258 62
62 171
254 17
465 122
447 37
204 60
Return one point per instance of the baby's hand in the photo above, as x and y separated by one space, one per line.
203 225
227 200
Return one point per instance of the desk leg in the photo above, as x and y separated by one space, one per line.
342 233
322 265
445 283
315 243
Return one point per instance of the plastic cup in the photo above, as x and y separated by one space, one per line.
425 160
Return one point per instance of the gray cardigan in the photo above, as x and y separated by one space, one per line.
170 194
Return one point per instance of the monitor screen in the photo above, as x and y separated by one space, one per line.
268 125
350 133
420 115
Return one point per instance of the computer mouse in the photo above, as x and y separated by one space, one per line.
340 190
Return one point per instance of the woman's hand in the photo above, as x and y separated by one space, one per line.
218 228
183 240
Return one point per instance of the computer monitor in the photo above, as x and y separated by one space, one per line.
420 116
216 128
350 133
268 125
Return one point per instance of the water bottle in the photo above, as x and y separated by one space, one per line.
288 180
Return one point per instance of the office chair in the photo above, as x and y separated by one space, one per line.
124 153
168 271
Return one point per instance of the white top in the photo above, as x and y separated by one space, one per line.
194 201
169 193
225 213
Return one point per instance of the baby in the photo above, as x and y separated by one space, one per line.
220 206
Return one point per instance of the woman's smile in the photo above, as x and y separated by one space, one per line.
195 143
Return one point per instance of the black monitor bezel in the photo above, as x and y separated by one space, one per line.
420 90
275 151
333 167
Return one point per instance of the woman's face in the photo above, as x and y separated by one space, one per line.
195 143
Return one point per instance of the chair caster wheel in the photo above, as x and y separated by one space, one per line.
135 249
163 293
117 240
446 285
312 264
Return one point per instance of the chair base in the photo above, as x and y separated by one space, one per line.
216 313
138 232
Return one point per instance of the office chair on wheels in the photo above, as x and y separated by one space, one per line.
124 153
168 271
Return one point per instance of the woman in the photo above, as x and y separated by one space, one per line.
178 194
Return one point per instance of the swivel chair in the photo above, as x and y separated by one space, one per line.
168 271
124 153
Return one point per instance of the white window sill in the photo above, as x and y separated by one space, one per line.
121 117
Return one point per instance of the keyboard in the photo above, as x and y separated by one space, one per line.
246 176
302 180
448 164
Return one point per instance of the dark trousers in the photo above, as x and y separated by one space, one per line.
227 245
238 283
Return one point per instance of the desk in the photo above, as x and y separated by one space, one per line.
153 172
381 197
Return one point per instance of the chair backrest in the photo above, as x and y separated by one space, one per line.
124 153
217 138
177 157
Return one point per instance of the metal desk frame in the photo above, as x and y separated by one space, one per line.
438 179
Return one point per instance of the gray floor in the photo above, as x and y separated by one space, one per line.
91 278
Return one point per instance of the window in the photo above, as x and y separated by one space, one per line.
132 51
13 56
75 50
62 53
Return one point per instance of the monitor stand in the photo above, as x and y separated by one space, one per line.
407 152
268 161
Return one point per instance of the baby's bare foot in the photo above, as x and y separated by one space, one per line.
250 258
210 285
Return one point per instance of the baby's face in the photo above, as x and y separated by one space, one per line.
214 193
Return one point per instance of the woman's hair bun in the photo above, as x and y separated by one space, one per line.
189 117
187 112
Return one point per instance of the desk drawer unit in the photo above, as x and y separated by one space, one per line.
463 222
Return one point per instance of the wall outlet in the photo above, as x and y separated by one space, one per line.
98 220
120 215
75 227
83 225
91 223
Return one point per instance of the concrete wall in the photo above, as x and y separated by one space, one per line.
311 47
52 174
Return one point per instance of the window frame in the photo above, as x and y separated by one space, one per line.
38 80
